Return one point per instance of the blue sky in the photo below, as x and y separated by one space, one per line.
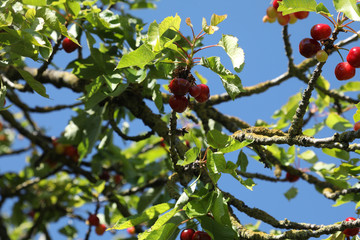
264 60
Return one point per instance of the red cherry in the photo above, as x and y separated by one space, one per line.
100 229
178 103
200 235
276 3
351 231
194 91
71 152
131 230
344 71
93 220
283 19
187 234
357 126
179 86
31 214
291 178
204 93
301 15
320 31
308 47
69 46
353 57
117 179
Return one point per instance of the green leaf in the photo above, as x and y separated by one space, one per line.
195 139
320 8
315 129
74 6
30 14
338 123
216 19
233 145
153 35
99 187
291 193
291 6
220 209
35 2
217 162
140 57
309 156
208 29
231 82
349 7
34 84
171 22
215 229
68 231
167 230
217 139
145 216
190 156
337 153
356 116
242 161
350 86
199 207
236 54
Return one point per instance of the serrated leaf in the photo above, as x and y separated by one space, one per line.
167 230
208 29
216 19
320 8
153 35
291 6
309 156
242 161
35 2
338 123
356 116
140 57
216 162
233 145
145 216
231 82
172 23
291 193
337 153
349 7
34 84
217 139
74 6
190 156
236 54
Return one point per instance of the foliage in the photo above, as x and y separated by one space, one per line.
167 177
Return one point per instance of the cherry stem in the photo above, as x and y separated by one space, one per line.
192 30
182 50
198 36
332 22
351 30
202 48
348 23
187 40
340 55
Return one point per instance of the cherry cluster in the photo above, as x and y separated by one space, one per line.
94 221
349 232
105 175
180 87
69 151
272 15
310 47
346 70
190 234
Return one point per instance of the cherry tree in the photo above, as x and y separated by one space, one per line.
163 182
